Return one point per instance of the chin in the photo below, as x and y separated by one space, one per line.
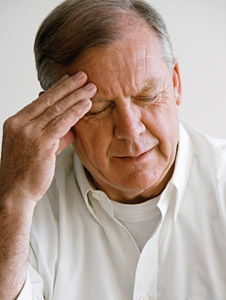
139 181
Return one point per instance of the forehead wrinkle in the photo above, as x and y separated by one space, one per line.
150 84
126 68
142 58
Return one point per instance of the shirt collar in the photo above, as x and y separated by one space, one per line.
182 168
85 186
178 180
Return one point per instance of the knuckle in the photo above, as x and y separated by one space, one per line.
77 95
53 110
56 124
5 124
76 109
61 119
69 85
29 109
34 101
11 124
83 93
56 109
26 133
47 100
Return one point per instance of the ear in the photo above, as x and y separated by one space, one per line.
177 84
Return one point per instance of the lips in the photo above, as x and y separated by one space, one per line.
133 159
133 156
136 155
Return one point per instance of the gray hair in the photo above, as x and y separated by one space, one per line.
77 25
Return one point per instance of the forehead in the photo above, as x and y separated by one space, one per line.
126 65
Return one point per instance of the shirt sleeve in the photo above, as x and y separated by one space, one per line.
33 287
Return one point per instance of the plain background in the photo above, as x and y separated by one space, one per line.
198 32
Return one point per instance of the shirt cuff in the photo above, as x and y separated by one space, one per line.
26 292
33 286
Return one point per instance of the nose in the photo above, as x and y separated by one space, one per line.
127 122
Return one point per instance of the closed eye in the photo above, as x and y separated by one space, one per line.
98 108
147 99
98 111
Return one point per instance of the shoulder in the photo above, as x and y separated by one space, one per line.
209 154
203 144
206 187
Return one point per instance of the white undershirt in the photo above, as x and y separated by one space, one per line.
140 219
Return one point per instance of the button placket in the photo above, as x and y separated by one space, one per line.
148 267
144 297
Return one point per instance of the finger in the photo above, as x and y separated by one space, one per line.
87 92
57 92
62 90
28 107
66 140
64 122
62 79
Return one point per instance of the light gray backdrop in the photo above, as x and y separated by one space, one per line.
198 33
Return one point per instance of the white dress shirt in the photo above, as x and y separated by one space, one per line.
81 251
140 219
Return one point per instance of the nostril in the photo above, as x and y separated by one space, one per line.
129 130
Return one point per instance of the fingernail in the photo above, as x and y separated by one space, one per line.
89 87
78 75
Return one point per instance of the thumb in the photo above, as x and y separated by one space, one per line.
66 140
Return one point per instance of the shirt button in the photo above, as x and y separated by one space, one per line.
144 297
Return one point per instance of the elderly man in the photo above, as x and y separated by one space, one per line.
135 208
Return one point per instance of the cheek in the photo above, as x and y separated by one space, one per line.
92 139
162 122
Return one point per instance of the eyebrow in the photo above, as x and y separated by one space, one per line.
148 86
99 99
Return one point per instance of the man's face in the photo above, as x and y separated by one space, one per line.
129 138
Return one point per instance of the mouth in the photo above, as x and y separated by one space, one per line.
136 158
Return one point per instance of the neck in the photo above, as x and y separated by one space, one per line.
134 196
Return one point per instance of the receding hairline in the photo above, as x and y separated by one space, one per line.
57 46
123 28
127 32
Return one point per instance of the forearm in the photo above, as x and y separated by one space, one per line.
31 140
15 224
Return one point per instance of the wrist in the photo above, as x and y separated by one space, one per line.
17 206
